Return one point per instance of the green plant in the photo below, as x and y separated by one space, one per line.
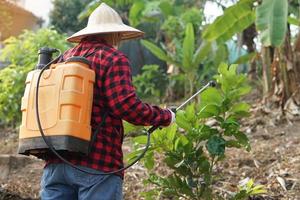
151 83
174 25
271 19
191 148
235 19
21 54
188 60
247 189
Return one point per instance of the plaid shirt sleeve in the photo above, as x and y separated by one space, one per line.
123 101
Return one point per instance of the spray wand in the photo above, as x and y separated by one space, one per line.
209 84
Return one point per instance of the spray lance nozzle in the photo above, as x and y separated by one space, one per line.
45 56
212 83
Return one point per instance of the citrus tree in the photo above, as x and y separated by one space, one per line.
192 148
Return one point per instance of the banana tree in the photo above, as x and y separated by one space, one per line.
191 57
272 19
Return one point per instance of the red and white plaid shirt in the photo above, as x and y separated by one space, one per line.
113 94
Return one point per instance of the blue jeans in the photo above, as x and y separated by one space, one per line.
63 182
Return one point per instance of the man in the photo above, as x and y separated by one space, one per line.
114 99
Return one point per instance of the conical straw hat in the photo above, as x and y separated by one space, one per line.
105 20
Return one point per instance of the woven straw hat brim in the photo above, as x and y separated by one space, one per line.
126 31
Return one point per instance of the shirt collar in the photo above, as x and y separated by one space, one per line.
94 40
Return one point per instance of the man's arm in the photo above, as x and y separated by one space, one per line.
123 101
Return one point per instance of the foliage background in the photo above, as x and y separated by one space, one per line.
63 16
178 33
22 55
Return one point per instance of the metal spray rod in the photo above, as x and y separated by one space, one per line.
209 84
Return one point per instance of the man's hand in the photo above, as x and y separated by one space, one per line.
173 113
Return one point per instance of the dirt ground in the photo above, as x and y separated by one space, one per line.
274 161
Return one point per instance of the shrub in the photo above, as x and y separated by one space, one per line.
21 54
151 83
192 148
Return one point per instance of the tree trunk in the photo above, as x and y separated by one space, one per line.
296 59
292 81
266 70
281 78
292 104
248 39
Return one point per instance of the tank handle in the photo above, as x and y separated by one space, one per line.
79 59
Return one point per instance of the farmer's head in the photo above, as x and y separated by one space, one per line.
106 23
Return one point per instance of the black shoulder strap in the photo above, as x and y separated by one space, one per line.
96 131
87 54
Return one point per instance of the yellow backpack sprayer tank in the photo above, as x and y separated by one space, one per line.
65 94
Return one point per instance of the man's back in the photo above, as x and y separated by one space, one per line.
114 99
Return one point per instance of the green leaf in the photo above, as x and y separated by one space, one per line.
241 195
155 50
243 90
233 143
171 132
204 164
180 142
245 58
135 12
188 46
211 96
293 21
166 8
129 128
242 139
182 121
133 155
250 183
142 139
190 113
209 110
235 19
240 107
258 189
216 145
149 160
271 19
223 69
201 53
88 9
205 132
232 69
220 54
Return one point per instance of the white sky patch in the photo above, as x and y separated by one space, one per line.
40 8
212 11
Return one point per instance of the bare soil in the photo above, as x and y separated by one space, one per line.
274 161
